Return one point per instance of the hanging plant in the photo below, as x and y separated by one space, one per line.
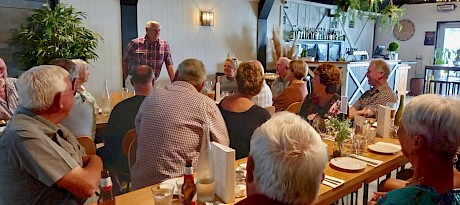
56 33
390 17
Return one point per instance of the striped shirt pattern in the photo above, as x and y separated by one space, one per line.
169 126
141 52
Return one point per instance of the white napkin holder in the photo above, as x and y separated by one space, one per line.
383 121
344 104
224 171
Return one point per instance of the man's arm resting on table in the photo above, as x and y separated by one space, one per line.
352 112
171 73
83 181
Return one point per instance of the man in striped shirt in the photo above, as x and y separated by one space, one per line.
169 125
379 94
148 50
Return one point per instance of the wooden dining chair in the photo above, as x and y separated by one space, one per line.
294 107
271 109
130 136
132 153
88 144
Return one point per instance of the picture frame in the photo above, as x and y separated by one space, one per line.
429 38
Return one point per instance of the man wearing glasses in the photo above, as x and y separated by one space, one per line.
148 50
380 93
41 162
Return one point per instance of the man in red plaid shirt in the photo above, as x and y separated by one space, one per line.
148 50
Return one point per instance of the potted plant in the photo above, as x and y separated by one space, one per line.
341 131
393 47
390 16
56 33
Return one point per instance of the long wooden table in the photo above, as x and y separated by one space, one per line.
327 195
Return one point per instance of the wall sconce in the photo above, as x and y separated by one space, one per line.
207 18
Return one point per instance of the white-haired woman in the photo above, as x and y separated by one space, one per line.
286 162
83 75
429 136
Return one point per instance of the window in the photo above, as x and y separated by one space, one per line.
447 37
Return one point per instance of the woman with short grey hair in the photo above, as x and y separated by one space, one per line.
429 136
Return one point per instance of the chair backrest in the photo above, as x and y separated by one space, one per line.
271 109
88 144
130 136
294 107
132 153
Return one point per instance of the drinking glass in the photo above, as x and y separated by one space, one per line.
240 184
179 184
371 135
163 194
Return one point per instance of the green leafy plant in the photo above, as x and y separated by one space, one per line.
390 16
393 46
341 129
56 33
442 56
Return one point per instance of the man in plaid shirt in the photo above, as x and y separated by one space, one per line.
379 94
148 50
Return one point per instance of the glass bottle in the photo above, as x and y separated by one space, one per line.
106 197
400 111
105 99
188 189
205 171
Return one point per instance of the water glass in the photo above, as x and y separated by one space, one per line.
371 135
124 93
163 194
359 144
240 183
179 184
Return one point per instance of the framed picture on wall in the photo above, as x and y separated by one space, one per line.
429 38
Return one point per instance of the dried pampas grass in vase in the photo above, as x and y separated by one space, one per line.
279 49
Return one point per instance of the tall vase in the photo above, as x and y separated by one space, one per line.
337 151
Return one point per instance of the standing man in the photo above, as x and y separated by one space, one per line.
148 50
41 162
169 125
280 83
380 93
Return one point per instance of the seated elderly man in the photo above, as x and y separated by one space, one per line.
282 65
41 162
380 93
9 98
169 125
281 145
121 121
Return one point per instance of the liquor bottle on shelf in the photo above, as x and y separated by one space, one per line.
205 170
105 99
400 111
106 197
188 189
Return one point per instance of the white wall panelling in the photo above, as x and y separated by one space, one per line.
103 17
234 30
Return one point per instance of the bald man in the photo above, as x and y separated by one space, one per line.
148 50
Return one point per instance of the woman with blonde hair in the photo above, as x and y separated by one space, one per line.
241 115
297 90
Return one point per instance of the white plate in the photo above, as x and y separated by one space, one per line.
348 163
173 181
383 148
